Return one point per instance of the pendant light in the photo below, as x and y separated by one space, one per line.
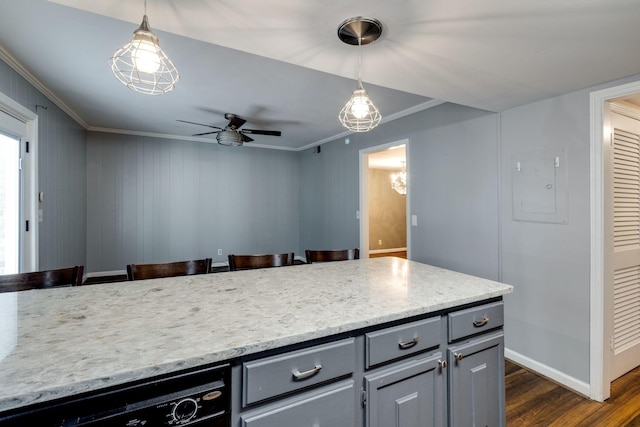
142 65
359 114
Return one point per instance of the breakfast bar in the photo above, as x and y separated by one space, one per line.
59 343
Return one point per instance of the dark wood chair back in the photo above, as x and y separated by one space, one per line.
71 276
168 269
337 255
248 262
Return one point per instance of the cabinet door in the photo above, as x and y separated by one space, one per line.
476 383
409 394
329 406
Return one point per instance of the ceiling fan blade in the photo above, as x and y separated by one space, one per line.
235 122
199 124
262 132
245 138
205 133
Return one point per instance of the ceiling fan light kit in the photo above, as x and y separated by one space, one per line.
142 65
229 138
359 113
232 135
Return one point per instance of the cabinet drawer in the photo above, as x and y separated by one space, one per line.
332 406
475 320
399 341
283 373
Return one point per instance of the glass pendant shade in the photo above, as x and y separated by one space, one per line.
360 114
142 65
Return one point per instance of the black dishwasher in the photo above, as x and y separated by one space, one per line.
196 398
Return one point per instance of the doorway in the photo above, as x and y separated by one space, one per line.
602 335
622 239
19 139
9 199
384 209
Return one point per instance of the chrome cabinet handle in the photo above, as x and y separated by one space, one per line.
442 364
297 375
458 356
480 323
406 345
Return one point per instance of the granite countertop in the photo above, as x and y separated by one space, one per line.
59 342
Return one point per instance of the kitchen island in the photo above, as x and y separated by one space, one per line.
61 342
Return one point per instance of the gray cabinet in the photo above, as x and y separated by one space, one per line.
438 371
408 394
329 406
310 387
277 375
476 367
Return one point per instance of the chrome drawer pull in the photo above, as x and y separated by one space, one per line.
480 323
406 345
297 375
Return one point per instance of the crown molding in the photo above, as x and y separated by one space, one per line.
18 68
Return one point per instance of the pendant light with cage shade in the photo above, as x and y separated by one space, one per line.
142 65
359 114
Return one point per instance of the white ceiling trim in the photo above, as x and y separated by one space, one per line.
18 68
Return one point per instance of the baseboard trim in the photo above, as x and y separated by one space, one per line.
106 273
561 378
386 251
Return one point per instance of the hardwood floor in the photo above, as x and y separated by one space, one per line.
533 400
399 254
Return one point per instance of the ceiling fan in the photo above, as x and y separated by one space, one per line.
232 134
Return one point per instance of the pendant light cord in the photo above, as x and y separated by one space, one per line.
359 56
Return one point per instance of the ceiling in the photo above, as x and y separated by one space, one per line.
280 65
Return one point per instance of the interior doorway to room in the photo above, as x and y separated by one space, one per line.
384 201
18 187
622 238
615 238
9 203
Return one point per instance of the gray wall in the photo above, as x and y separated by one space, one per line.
547 317
158 200
453 180
153 199
61 175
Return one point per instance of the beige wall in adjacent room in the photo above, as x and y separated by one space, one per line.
387 212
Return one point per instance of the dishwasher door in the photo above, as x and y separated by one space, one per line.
195 398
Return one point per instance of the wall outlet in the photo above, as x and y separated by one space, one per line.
380 241
219 251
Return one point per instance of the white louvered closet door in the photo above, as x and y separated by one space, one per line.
624 210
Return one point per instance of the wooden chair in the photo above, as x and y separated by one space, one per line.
168 269
248 262
326 256
71 276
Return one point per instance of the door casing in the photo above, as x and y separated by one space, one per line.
601 301
364 195
29 252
